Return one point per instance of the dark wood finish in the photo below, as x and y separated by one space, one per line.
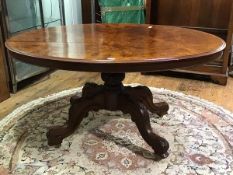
230 41
95 48
212 16
113 96
205 15
86 11
148 11
195 13
98 18
4 89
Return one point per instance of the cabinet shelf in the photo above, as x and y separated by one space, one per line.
20 25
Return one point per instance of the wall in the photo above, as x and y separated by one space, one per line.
73 11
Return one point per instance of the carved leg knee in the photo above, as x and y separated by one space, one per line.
140 116
143 95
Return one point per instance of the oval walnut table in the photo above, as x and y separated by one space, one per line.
113 50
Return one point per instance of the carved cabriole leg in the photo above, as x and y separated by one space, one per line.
136 101
144 96
91 100
139 115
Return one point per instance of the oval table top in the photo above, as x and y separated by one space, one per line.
115 47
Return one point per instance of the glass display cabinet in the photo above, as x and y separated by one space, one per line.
21 15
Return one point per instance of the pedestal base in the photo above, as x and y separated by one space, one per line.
136 101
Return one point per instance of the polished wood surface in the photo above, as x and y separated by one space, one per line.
229 41
115 48
4 90
148 11
86 11
212 16
196 13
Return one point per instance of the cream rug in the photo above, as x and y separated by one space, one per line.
108 143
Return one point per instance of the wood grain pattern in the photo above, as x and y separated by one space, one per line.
115 48
114 96
86 11
212 16
148 11
229 41
4 90
196 13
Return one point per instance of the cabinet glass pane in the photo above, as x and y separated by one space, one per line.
22 15
52 16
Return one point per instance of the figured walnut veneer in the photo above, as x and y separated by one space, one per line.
115 48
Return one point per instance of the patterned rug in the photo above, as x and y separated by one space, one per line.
108 143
